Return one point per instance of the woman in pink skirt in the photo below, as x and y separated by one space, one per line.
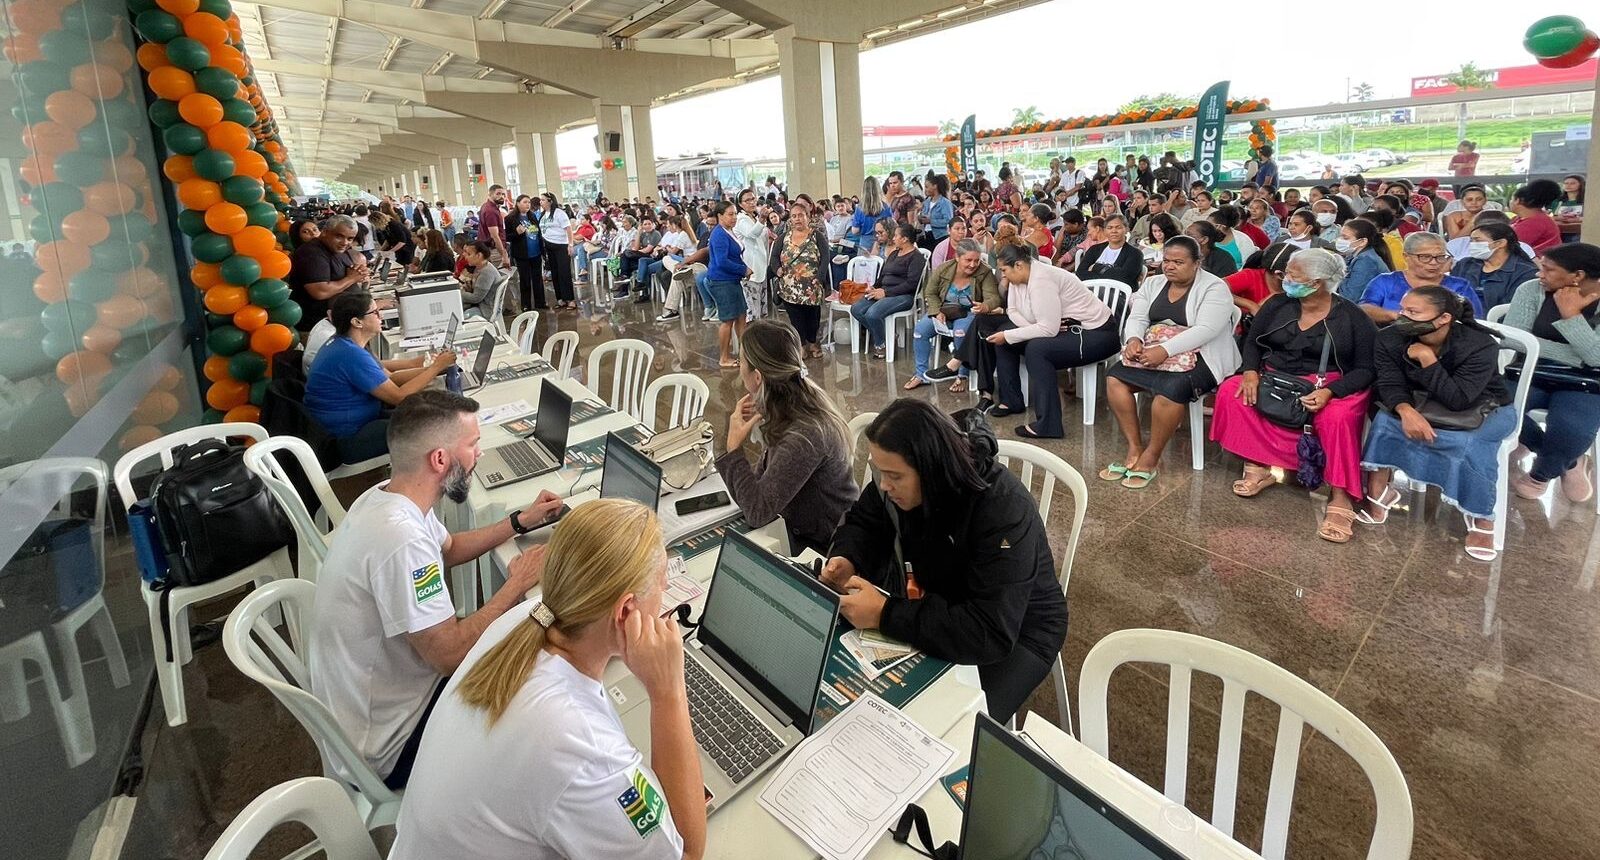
1287 336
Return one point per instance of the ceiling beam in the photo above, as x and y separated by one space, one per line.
650 16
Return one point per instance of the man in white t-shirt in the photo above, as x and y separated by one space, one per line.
384 631
1072 180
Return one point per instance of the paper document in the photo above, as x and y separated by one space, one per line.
504 412
681 587
840 789
876 654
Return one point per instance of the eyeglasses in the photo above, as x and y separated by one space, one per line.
1430 258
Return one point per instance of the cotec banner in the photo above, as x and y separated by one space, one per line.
1210 117
969 148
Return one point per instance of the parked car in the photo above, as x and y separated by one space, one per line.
1296 167
1384 157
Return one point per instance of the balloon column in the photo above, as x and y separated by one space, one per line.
231 174
1560 42
98 299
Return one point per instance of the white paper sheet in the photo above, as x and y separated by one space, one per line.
840 789
504 412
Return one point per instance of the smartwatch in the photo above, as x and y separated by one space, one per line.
516 523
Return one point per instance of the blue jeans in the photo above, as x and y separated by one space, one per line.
871 313
839 270
1571 420
922 341
707 300
449 233
648 270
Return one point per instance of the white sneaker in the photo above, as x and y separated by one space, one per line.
709 316
841 259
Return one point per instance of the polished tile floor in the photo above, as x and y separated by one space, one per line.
1482 679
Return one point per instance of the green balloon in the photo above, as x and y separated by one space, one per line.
242 190
40 78
285 313
134 227
258 392
268 293
1550 37
220 8
67 316
188 54
247 366
239 111
91 286
59 198
213 164
239 269
80 168
228 340
41 229
184 139
64 46
262 214
211 416
137 6
216 82
157 26
113 256
217 320
93 22
98 140
58 344
120 113
192 223
164 114
211 247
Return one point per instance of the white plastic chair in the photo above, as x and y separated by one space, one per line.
630 372
275 566
522 330
1514 341
313 538
560 349
688 395
314 801
1242 672
256 648
1055 471
891 328
858 426
53 481
862 270
1497 315
1115 294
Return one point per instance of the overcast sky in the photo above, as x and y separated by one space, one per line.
910 82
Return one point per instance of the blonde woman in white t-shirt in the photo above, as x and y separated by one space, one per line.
525 757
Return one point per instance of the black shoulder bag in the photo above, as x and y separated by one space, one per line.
1278 396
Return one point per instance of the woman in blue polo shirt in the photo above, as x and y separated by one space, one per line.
349 392
1427 261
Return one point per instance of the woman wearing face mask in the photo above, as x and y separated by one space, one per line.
803 474
1300 231
1495 264
1326 213
1288 336
1366 254
978 584
1436 357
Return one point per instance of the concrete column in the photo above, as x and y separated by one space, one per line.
637 178
821 114
417 189
548 174
527 174
1590 229
495 172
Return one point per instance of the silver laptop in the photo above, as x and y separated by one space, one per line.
432 340
629 474
753 669
523 458
473 379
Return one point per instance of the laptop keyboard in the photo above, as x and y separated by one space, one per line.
725 729
524 459
506 374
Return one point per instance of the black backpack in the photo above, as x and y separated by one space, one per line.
215 516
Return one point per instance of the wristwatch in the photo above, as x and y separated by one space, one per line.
516 523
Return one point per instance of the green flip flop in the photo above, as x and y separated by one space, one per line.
1113 472
1137 480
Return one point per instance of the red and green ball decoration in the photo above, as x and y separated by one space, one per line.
1560 42
230 172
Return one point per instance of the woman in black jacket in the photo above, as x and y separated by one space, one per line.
957 542
1436 360
522 240
1114 258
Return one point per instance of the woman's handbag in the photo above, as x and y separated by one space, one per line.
683 453
954 311
1441 418
1278 395
851 292
1552 376
1158 334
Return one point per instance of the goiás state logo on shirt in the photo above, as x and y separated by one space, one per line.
642 804
427 581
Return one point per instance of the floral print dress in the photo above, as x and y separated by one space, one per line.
801 282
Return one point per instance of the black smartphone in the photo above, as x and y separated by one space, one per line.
556 518
699 504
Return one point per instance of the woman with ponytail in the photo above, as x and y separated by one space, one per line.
804 473
1445 411
525 756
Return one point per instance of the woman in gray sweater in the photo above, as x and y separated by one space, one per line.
804 473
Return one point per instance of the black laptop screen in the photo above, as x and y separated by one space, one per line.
629 474
554 419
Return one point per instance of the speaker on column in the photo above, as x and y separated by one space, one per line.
477 169
613 141
424 180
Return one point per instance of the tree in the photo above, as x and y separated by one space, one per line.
1468 77
1025 116
1363 92
1157 101
948 126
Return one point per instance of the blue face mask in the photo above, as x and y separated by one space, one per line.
1295 290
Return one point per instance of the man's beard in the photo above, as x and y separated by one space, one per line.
456 483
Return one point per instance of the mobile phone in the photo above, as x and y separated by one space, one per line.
556 517
699 504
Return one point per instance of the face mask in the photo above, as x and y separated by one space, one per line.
1411 328
1325 219
1343 245
1295 290
1479 250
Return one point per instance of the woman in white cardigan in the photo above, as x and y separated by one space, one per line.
1177 343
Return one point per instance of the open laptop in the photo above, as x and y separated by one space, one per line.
475 378
629 474
432 340
753 669
1021 804
523 458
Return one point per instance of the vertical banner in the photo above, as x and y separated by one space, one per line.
1209 119
969 148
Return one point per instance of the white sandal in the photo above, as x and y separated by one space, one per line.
1481 553
1366 518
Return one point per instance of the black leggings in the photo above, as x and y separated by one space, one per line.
805 319
977 353
560 262
1045 356
529 283
1009 682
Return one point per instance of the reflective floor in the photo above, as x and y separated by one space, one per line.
1482 679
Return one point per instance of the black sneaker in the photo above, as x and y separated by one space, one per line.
940 374
668 316
643 297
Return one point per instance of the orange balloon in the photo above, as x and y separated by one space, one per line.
230 58
70 108
227 219
225 394
49 138
170 378
249 163
80 398
129 168
35 16
137 436
97 80
157 407
250 317
248 413
86 227
63 258
200 109
114 54
37 172
226 299
255 241
141 283
275 265
216 368
120 311
201 194
179 7
153 56
50 288
22 48
171 82
271 339
178 168
101 338
207 28
206 275
75 367
229 137
109 198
